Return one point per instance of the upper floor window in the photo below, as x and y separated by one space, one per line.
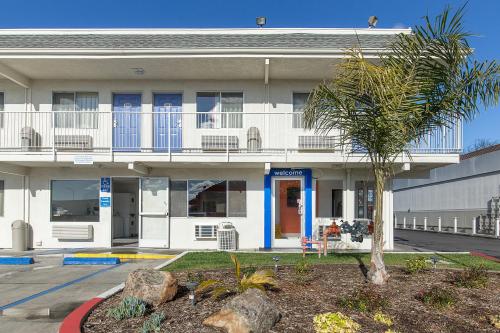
81 109
219 110
299 103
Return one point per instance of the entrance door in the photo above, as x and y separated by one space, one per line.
126 122
154 220
288 212
167 109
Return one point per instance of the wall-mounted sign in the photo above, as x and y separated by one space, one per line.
287 172
83 160
105 202
106 184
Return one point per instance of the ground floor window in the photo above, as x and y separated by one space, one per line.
208 198
75 200
365 199
329 198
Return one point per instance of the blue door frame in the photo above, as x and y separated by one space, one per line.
126 122
167 113
283 172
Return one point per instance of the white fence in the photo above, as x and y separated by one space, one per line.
174 131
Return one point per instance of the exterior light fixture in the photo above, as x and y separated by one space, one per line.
260 21
138 70
192 295
276 260
434 261
372 21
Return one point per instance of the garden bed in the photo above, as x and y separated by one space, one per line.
300 300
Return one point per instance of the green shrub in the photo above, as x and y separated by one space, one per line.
335 323
379 317
438 297
302 272
364 300
195 277
472 277
263 279
129 307
416 265
153 324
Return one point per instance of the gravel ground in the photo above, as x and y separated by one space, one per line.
299 302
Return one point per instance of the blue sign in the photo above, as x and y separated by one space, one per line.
105 201
287 172
106 184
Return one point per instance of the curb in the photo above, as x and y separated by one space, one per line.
90 261
485 256
73 322
16 260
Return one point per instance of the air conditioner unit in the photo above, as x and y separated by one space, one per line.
226 237
219 142
316 142
205 231
72 232
80 142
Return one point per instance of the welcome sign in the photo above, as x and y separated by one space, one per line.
287 172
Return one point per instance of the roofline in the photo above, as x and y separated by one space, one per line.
207 31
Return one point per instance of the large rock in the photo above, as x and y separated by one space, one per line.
250 312
152 286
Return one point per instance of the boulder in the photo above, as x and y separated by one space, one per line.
152 286
250 312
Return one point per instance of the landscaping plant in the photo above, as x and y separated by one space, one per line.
438 297
416 265
129 307
261 279
495 320
302 272
474 276
153 324
364 300
334 323
382 318
426 81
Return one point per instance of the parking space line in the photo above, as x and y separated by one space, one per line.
56 288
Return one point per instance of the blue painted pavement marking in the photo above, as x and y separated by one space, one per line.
56 288
90 261
16 260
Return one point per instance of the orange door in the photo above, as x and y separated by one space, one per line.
289 207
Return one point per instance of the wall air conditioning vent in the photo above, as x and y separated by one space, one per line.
73 142
219 142
205 231
316 142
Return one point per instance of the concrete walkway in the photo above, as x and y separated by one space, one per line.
36 298
412 240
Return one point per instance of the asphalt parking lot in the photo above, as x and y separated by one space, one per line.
36 298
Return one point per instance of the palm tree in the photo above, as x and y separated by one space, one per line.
427 80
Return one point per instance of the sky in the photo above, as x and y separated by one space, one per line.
481 19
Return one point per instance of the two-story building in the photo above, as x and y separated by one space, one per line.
157 136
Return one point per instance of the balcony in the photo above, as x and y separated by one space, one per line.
176 133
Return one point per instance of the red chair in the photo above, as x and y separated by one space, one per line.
305 242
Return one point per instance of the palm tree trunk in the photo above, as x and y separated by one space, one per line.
377 273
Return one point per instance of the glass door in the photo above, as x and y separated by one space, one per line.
288 212
154 220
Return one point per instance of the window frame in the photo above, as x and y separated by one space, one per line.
219 108
2 204
51 180
186 216
95 118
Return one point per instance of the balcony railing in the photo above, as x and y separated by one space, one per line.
177 132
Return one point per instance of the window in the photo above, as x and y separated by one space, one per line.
208 198
178 198
82 109
75 200
299 103
365 199
2 191
237 197
219 110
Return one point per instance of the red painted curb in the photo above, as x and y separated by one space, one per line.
73 322
485 256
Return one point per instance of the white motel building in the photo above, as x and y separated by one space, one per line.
155 136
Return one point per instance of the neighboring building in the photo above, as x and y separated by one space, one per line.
466 194
109 136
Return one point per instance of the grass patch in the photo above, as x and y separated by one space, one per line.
221 260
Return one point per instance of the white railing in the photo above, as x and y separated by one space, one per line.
170 131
